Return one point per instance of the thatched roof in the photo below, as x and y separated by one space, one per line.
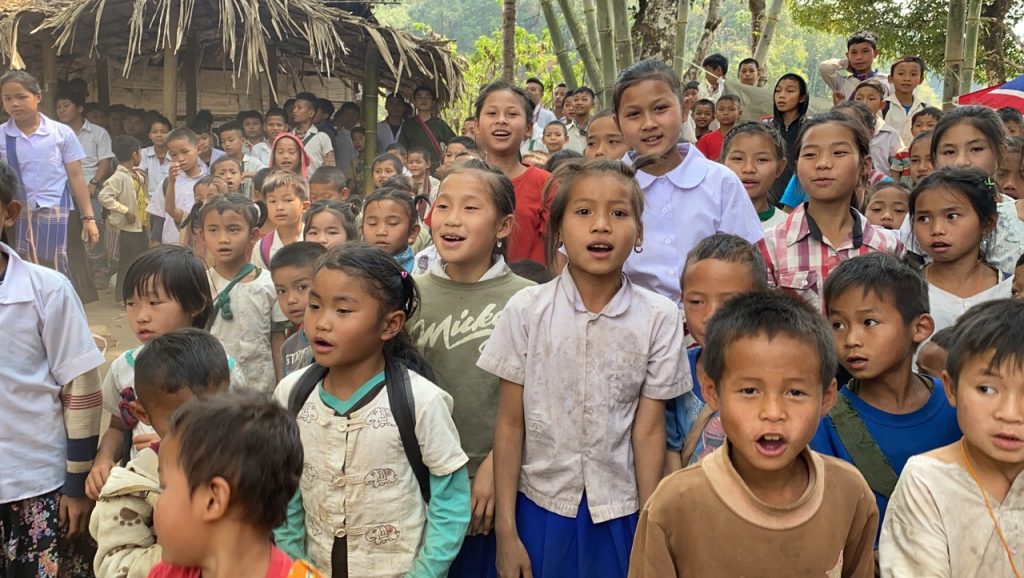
240 34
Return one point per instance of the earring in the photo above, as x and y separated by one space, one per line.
638 249
500 243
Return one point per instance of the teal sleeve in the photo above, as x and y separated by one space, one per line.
291 536
447 521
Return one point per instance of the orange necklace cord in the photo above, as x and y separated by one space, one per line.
991 514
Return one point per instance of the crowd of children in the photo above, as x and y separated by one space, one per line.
655 340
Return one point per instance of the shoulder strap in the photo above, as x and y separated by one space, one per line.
863 448
693 436
403 409
224 297
430 135
313 375
266 244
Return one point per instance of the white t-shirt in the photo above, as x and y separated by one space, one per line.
947 308
317 145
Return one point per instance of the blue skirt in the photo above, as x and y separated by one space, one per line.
476 559
561 547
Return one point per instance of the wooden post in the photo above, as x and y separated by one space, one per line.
49 78
971 46
370 91
255 93
272 65
568 76
190 68
103 80
679 63
954 52
171 82
607 41
623 42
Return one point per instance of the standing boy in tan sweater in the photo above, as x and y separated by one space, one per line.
763 504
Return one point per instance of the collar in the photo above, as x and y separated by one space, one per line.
687 174
310 131
806 226
46 126
122 169
150 151
863 77
87 126
498 269
17 287
616 307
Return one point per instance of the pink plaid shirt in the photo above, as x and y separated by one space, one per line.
799 259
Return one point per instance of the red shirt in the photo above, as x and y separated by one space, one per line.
710 145
280 567
531 217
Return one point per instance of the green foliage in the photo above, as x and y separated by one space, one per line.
464 21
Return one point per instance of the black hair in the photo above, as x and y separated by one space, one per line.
329 176
502 192
734 98
753 61
179 273
469 119
993 328
730 249
750 127
344 211
425 88
349 105
557 123
137 113
467 143
254 215
705 102
875 85
323 105
502 85
863 36
186 134
301 254
394 289
158 119
259 178
973 184
944 337
23 78
401 183
276 112
9 183
358 130
400 196
1010 114
982 118
281 179
95 106
389 158
861 113
881 186
221 161
309 98
908 60
250 441
124 147
861 137
769 314
924 135
185 359
561 157
245 115
535 80
422 152
649 69
927 111
717 61
566 178
531 270
691 85
587 90
73 96
230 126
886 277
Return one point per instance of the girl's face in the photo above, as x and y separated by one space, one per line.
228 236
158 133
888 208
605 140
753 158
963 146
19 102
466 223
921 160
787 95
286 156
417 165
651 119
502 123
387 224
1010 176
204 192
599 228
989 405
870 98
922 123
344 322
284 207
152 312
947 226
707 284
829 165
326 229
383 171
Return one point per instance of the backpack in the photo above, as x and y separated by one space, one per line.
401 401
867 456
266 244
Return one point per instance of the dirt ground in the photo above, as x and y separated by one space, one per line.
110 325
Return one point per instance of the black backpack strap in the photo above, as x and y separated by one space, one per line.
403 409
313 375
863 448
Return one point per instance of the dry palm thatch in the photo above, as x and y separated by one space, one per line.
12 12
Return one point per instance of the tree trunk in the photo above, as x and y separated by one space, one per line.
653 29
954 52
590 21
623 42
971 45
706 38
682 19
756 22
993 41
508 41
555 29
579 36
765 42
607 40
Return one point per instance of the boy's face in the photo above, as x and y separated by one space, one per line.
417 164
303 112
158 133
231 175
870 336
292 286
134 125
748 74
1018 283
383 171
67 111
727 113
989 409
870 98
568 108
554 138
1013 128
920 160
423 101
582 103
931 360
203 143
252 128
358 141
184 153
771 399
906 77
888 208
98 118
179 514
712 74
9 214
922 123
469 129
707 285
452 151
702 116
558 98
691 94
231 142
284 207
275 126
861 57
325 192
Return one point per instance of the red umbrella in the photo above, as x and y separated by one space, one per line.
1009 94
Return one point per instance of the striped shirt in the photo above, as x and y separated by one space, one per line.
799 258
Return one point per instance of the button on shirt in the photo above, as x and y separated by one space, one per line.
579 416
95 141
695 200
41 158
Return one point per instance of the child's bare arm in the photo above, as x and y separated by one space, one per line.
648 446
509 431
107 455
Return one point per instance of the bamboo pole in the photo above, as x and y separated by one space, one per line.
170 100
771 22
49 78
607 43
679 63
590 21
370 100
555 29
954 52
582 47
272 66
971 46
623 42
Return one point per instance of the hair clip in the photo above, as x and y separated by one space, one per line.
405 274
990 183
